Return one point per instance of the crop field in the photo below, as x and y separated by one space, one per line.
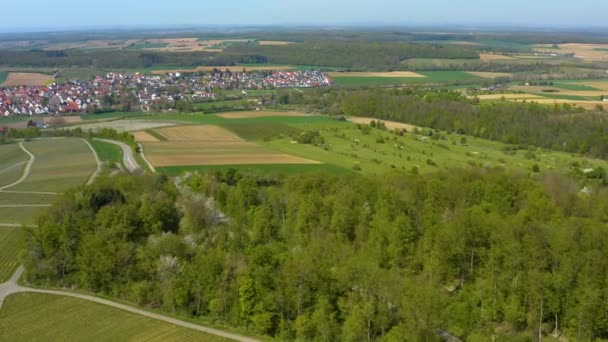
509 96
389 124
211 145
60 164
274 42
493 57
9 252
234 68
12 163
397 74
143 136
41 317
380 151
490 74
586 51
122 125
263 169
23 215
26 78
426 77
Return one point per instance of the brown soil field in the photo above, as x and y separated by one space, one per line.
398 74
491 56
490 74
198 134
274 42
143 136
389 124
231 68
585 51
258 114
180 153
27 79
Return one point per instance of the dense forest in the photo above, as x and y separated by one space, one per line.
475 254
559 127
362 55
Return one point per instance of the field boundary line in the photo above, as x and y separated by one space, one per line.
10 167
143 156
25 205
29 192
98 170
12 287
26 172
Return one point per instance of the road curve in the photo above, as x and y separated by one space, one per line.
11 287
127 154
26 172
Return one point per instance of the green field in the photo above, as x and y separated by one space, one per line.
574 86
60 164
431 77
40 317
144 45
274 169
7 198
12 163
381 151
107 152
113 115
9 252
3 76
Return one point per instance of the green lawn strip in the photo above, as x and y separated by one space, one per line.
157 135
264 169
559 96
9 252
13 119
107 152
3 76
41 317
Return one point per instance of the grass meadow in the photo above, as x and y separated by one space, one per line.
107 152
9 252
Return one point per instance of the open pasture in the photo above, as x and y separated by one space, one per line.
26 79
9 252
60 164
493 57
490 74
397 74
41 317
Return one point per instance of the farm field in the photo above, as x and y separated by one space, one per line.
398 74
12 163
29 79
41 317
260 114
235 68
425 77
9 252
24 215
211 145
60 164
122 125
490 74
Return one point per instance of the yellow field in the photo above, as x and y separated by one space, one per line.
397 74
558 91
199 134
258 114
211 145
490 74
389 124
586 51
143 136
274 42
26 79
491 56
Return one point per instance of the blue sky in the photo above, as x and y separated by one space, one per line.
61 14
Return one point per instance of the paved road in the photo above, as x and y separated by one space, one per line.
11 287
26 172
127 154
99 163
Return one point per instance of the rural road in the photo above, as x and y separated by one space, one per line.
127 154
11 287
143 156
94 176
26 172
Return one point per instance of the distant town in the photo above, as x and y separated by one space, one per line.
145 92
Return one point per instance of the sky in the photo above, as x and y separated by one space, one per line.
75 14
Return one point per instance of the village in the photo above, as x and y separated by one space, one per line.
140 92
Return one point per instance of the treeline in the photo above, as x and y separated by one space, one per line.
557 127
477 254
357 55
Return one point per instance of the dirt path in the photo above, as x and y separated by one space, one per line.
143 156
127 154
26 172
94 176
12 287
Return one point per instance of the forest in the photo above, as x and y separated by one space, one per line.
477 254
558 127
